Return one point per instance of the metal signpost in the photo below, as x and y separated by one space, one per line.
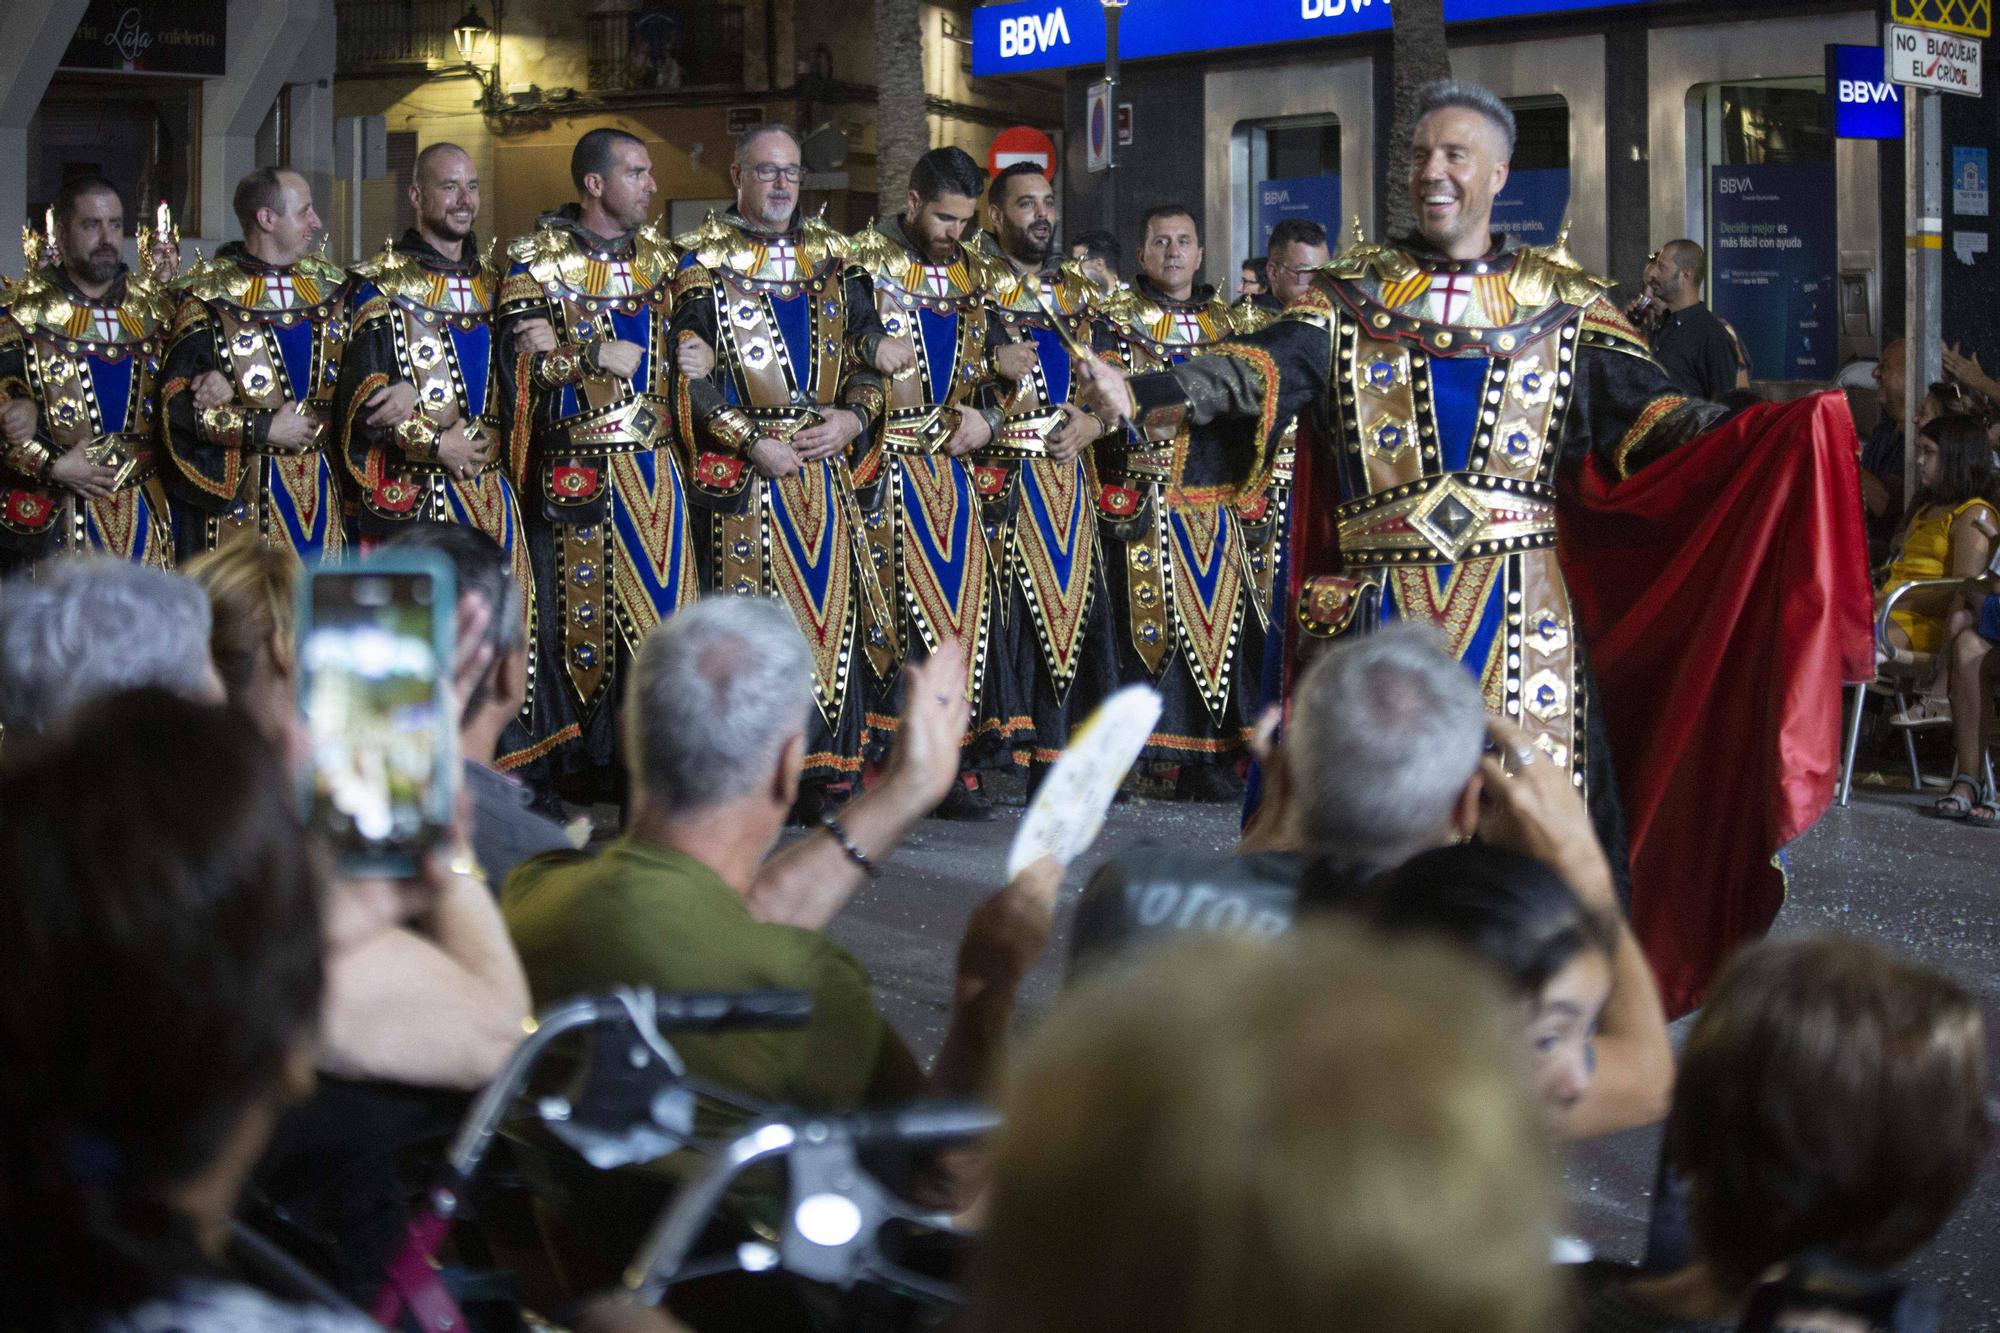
1933 47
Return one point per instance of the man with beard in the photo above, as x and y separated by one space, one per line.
589 437
80 343
1057 621
266 319
1174 547
795 334
926 531
1472 397
418 427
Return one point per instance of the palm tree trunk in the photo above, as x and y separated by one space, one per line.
902 126
1417 55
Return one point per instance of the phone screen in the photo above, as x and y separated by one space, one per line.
373 651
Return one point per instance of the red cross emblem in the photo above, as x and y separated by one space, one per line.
1454 299
783 261
1189 324
459 288
939 277
106 319
278 287
620 281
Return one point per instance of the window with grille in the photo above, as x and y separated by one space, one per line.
662 45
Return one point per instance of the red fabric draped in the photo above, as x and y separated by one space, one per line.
1724 600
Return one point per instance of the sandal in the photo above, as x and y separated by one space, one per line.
1953 806
1984 815
1923 713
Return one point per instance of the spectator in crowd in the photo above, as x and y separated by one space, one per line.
1882 453
1694 347
1950 534
1254 284
250 589
161 975
505 831
687 900
1326 1131
1097 254
1298 246
1832 1099
1974 672
85 628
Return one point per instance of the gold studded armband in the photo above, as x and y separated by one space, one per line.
30 458
731 428
562 366
419 438
222 425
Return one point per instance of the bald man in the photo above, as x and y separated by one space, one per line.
1691 345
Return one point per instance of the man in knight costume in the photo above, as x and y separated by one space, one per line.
418 426
1055 611
585 377
1174 551
771 431
80 343
926 526
1463 392
265 322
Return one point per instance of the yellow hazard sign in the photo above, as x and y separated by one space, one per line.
1968 18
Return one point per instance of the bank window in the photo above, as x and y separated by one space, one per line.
139 136
1531 206
1762 198
1294 173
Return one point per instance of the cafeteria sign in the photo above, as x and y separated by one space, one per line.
150 37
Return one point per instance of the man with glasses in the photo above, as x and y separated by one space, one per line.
772 431
1298 246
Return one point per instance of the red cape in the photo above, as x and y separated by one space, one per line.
1724 598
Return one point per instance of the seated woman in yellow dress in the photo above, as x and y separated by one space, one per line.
1949 534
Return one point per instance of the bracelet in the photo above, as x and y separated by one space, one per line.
221 425
868 867
419 438
732 428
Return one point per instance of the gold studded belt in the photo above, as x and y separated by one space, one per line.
321 415
1025 434
629 426
1445 519
783 422
918 431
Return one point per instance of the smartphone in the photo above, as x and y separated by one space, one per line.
375 648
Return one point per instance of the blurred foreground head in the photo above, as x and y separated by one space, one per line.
1328 1130
1831 1097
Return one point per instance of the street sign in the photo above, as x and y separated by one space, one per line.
1097 127
1022 143
1968 18
1923 58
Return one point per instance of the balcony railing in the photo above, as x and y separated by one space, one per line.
663 45
387 34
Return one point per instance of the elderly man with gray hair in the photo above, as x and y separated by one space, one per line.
690 898
86 628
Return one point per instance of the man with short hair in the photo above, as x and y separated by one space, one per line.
1691 344
1186 619
925 526
264 320
91 627
789 409
587 429
78 468
1097 254
1058 620
1459 378
690 898
1298 247
1882 455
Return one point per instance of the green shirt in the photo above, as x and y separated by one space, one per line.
642 915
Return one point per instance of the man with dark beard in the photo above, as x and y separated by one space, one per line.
589 433
795 333
926 531
1051 577
418 427
77 470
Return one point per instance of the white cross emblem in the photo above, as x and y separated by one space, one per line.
1451 302
458 289
106 319
278 290
620 283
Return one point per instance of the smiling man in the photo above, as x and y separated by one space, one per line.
1458 386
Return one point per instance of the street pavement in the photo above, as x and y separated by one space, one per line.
1876 869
